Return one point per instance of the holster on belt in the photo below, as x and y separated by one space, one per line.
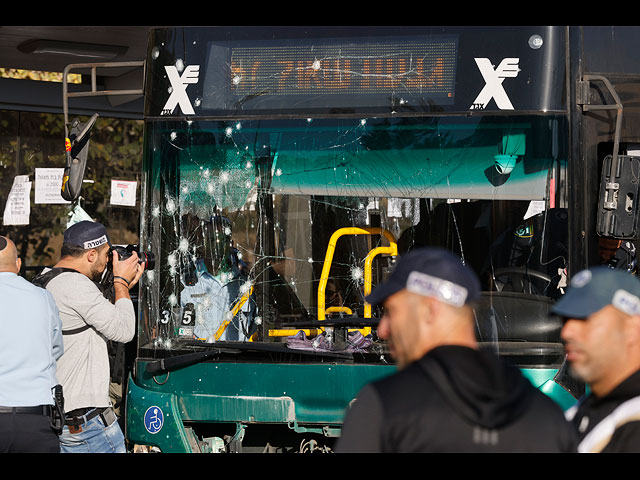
56 418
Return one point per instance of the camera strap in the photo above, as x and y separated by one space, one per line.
43 279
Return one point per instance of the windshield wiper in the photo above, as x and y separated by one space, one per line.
180 361
173 363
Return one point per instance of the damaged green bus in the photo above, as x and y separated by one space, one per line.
284 171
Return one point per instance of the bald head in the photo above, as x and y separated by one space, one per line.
9 261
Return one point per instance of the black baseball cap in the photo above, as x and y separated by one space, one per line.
593 289
432 272
86 234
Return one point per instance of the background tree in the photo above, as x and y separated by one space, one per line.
34 140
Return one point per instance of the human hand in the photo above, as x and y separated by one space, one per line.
129 269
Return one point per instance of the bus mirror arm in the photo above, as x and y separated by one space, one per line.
77 145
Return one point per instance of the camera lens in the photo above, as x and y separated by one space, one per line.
148 259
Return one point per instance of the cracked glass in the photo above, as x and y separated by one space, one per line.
264 221
259 226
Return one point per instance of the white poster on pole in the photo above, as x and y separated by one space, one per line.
18 206
123 192
48 185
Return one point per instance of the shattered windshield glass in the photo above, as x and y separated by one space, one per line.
260 227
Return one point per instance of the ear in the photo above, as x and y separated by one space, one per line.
18 264
632 332
435 307
92 255
425 310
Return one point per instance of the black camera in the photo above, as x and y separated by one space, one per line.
145 258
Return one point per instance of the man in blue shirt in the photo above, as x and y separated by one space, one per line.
30 345
213 298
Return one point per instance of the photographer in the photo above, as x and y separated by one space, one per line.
89 320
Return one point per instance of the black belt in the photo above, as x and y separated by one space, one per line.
39 410
79 416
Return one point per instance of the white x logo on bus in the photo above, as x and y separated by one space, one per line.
494 78
179 88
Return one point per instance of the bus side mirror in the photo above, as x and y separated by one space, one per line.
618 199
77 149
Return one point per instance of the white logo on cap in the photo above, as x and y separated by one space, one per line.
95 243
443 290
626 302
581 279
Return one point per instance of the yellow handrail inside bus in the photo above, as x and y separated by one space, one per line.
290 332
346 310
392 249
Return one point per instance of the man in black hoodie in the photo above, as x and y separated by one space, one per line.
448 395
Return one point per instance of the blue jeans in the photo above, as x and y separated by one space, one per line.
95 437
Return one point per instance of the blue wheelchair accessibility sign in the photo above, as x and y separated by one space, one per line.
153 419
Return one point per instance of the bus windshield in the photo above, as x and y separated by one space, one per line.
262 227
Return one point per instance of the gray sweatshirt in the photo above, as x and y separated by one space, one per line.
83 369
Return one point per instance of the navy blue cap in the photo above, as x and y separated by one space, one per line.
86 234
593 289
432 272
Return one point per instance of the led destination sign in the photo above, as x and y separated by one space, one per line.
425 68
331 73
